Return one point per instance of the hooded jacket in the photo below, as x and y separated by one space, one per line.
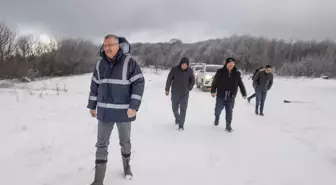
256 71
226 83
181 81
263 81
117 84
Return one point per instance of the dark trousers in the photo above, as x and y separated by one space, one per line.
252 96
222 103
180 101
260 101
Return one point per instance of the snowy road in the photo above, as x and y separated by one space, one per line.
50 140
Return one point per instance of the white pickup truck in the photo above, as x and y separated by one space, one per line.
205 76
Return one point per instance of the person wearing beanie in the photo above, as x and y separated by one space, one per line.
181 79
225 87
262 82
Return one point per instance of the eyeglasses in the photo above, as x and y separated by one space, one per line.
110 45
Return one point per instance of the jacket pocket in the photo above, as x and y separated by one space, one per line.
121 94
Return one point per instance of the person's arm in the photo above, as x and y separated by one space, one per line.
270 83
254 74
169 80
92 103
137 84
191 80
242 86
214 82
256 80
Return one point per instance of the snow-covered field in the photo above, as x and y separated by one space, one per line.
49 139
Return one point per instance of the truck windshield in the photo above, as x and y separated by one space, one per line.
212 69
198 68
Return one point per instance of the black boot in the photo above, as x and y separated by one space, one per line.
180 127
256 110
228 126
100 171
261 110
216 120
127 167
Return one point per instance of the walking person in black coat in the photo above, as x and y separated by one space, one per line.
225 87
254 74
182 80
262 83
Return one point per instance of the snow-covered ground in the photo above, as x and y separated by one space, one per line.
49 139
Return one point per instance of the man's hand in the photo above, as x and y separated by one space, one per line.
93 113
213 94
131 113
167 93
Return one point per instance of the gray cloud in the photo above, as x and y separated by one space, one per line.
189 20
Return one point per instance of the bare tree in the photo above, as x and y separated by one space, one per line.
75 56
25 46
7 42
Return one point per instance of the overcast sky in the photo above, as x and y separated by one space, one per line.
160 20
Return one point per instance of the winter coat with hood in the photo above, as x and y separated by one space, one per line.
263 81
117 84
256 71
181 81
226 83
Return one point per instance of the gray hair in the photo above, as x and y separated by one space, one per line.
112 36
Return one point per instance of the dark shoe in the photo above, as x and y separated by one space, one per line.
256 109
180 127
127 167
261 109
228 127
216 120
100 171
261 114
248 100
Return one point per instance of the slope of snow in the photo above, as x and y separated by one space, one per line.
49 138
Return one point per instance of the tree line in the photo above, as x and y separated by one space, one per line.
300 58
24 56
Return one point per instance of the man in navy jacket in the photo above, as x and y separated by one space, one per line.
115 96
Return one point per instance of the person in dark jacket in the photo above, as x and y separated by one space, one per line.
254 74
262 83
116 92
225 86
182 80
